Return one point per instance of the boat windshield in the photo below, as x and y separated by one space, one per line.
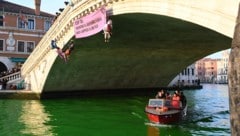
162 103
156 102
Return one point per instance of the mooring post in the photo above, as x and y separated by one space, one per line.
234 79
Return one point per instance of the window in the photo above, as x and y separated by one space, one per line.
30 24
21 23
30 47
192 71
1 45
47 25
1 20
20 46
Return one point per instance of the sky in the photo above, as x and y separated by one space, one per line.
49 6
217 55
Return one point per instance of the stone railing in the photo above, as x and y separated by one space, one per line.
12 77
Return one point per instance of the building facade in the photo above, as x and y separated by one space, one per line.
206 70
222 70
188 77
200 70
21 28
210 66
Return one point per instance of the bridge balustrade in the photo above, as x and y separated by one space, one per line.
12 77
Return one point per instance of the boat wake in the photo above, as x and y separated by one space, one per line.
210 118
157 125
137 115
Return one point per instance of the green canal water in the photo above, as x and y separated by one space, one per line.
208 115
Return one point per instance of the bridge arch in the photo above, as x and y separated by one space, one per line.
215 15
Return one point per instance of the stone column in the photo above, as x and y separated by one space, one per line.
234 80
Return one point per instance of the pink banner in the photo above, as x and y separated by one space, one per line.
90 24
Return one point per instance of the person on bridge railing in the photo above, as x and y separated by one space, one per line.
183 98
107 30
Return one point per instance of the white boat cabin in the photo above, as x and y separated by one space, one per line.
164 103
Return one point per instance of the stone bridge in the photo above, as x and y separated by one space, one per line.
214 15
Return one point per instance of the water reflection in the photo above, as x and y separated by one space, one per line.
161 130
35 118
152 131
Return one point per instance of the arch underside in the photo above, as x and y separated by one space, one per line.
145 51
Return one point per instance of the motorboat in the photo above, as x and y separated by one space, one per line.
164 111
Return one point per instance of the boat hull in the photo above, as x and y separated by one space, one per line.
164 119
168 117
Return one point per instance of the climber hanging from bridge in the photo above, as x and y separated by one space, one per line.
54 44
69 50
107 30
63 54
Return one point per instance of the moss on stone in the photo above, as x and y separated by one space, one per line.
145 51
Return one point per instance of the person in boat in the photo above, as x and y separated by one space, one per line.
160 95
183 98
168 96
107 30
177 92
162 108
176 101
